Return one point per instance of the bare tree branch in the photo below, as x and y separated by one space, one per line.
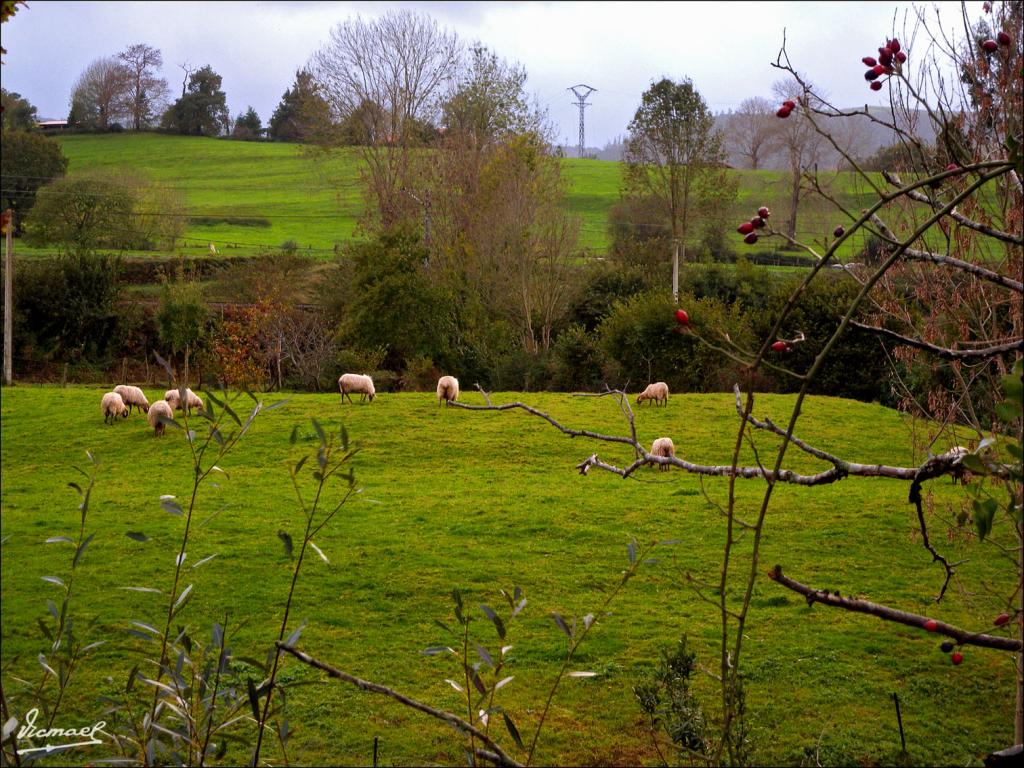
833 599
457 722
943 352
895 180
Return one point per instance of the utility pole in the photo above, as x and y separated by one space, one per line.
8 224
582 103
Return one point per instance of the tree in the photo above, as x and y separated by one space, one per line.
18 114
99 99
800 144
202 110
674 155
145 93
106 209
752 131
488 102
400 63
302 112
182 319
27 162
248 125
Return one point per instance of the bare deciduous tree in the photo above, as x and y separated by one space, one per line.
145 91
400 63
752 132
98 98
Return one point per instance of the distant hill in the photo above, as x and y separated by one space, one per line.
864 137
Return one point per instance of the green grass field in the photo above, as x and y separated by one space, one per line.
482 501
316 203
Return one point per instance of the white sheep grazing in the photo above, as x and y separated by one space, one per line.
133 396
161 409
658 392
113 406
357 383
447 389
664 446
192 400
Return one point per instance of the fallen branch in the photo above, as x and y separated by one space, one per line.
494 752
834 600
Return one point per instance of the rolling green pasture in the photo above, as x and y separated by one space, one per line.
480 501
317 203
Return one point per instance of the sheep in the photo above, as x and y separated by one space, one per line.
447 389
113 406
133 396
658 392
663 446
354 382
159 410
173 397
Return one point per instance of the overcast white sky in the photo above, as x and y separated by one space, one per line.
619 48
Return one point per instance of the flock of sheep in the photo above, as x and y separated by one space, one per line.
120 402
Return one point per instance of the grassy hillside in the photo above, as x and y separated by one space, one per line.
482 501
282 193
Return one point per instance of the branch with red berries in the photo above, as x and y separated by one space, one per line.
961 636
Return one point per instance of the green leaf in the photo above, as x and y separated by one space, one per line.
170 505
278 404
319 432
484 655
293 438
973 463
294 636
182 598
984 512
344 438
59 539
54 580
499 625
137 536
631 551
81 549
254 701
512 730
287 541
561 624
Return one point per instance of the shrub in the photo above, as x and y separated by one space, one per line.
578 362
644 342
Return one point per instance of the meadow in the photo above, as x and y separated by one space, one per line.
479 501
247 197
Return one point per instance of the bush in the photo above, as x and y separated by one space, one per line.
578 362
645 344
66 308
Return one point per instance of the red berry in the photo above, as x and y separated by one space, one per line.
990 46
957 658
876 86
885 58
952 167
869 61
780 346
783 112
1001 619
872 75
839 231
901 57
1004 39
763 212
750 239
894 45
878 69
757 222
681 317
789 104
931 625
745 228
